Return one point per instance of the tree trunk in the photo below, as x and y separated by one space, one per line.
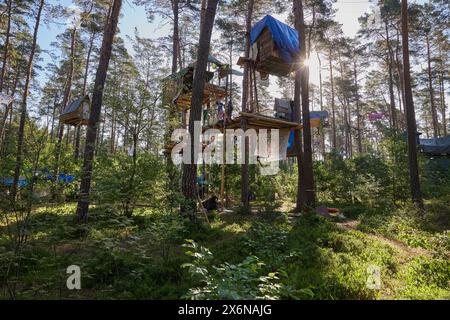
66 99
391 79
202 12
23 112
321 104
129 201
400 76
333 111
442 98
85 77
358 111
307 163
189 177
97 97
346 115
245 184
410 113
8 111
298 145
6 44
113 130
171 170
431 91
176 35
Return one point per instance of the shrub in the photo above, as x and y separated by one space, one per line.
231 281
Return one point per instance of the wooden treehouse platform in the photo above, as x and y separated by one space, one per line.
255 121
211 93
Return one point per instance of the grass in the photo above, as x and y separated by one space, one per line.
140 257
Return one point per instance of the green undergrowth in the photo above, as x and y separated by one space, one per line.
266 255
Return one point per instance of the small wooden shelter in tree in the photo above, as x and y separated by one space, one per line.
177 88
77 112
274 48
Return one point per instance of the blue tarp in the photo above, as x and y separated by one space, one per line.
201 181
285 37
291 140
63 178
10 181
318 114
436 146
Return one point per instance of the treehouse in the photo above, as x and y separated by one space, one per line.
77 112
274 48
177 88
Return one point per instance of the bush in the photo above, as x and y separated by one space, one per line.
231 281
118 180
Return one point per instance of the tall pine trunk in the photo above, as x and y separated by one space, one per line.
410 113
85 77
189 177
389 60
434 119
172 114
307 163
23 111
358 111
321 103
333 111
442 98
66 99
97 97
245 184
6 44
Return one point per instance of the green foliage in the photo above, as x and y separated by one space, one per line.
347 180
412 227
231 281
435 176
266 192
426 279
118 179
267 241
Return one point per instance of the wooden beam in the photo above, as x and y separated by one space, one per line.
270 120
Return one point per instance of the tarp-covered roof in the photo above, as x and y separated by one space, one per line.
285 37
436 146
74 105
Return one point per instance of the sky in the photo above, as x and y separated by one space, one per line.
348 12
135 17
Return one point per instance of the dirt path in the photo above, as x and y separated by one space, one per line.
400 246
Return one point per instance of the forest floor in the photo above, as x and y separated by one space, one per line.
317 257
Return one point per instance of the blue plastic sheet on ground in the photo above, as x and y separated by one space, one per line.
10 181
285 37
63 178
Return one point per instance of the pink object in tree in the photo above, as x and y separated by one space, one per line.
375 116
